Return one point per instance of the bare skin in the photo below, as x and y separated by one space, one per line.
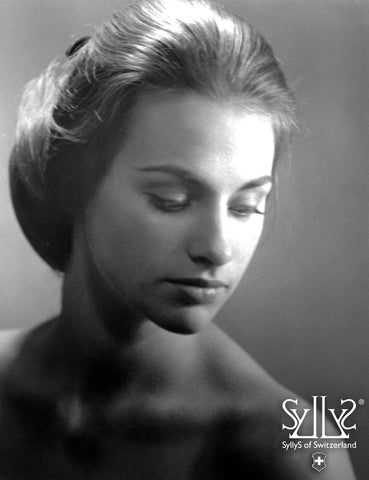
133 380
222 421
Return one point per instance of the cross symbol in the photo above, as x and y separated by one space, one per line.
319 460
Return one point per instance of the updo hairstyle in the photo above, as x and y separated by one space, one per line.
74 116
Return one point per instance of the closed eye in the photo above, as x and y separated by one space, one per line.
249 203
245 210
169 204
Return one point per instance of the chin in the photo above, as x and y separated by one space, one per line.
187 322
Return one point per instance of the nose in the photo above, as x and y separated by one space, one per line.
210 242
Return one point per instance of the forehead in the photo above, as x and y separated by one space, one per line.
208 137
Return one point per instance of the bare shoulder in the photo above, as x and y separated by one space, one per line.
253 425
233 370
253 397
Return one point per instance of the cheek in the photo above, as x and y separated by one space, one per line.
246 240
131 241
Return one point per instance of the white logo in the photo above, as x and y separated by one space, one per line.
337 418
319 461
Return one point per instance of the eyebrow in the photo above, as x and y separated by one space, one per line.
187 175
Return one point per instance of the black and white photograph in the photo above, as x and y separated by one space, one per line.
184 239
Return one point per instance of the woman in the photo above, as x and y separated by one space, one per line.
141 170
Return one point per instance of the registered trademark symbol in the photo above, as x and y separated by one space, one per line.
361 401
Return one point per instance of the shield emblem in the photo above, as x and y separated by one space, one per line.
319 461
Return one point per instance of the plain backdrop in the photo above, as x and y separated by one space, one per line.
302 309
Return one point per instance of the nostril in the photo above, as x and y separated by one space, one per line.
212 256
201 260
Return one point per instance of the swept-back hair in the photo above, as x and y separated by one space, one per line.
74 115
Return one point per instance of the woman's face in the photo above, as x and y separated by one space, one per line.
176 219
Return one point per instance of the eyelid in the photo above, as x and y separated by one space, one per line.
259 194
248 210
253 198
249 202
175 197
168 205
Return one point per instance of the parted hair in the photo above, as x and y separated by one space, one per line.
73 117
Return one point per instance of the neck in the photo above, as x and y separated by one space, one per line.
95 329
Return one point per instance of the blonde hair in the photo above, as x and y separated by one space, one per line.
75 114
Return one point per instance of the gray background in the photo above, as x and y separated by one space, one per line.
302 309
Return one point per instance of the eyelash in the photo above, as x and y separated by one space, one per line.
172 206
247 210
168 206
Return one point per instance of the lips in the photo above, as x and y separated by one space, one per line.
197 291
199 282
